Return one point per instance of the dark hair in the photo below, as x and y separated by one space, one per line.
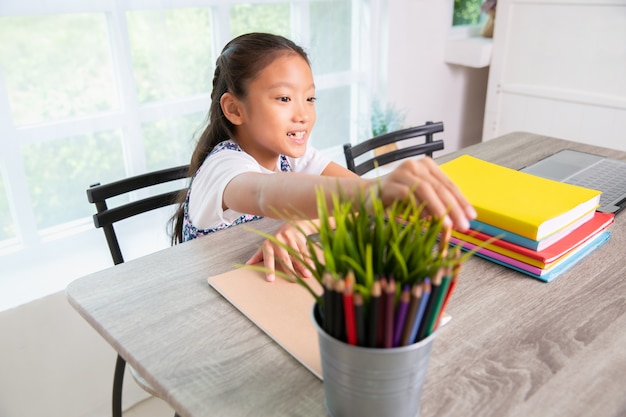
241 60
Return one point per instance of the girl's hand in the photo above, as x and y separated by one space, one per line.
432 186
269 251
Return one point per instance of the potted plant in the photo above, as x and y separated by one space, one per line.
385 119
387 273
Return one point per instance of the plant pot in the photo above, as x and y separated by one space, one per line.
362 381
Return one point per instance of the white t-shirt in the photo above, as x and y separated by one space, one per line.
223 164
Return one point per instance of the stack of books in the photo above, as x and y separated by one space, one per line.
531 224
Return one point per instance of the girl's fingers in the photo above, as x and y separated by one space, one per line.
296 241
270 253
256 257
302 269
432 186
443 204
458 197
270 264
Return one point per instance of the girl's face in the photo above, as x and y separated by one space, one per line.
278 113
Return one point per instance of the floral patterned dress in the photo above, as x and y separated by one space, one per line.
192 232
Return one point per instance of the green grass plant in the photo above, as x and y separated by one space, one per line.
372 241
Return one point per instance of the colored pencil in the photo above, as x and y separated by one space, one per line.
455 275
444 241
359 318
426 289
439 289
338 320
390 293
411 316
380 336
401 313
373 315
327 281
348 309
438 293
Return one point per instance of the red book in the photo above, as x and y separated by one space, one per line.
542 258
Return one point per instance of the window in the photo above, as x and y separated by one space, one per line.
7 230
467 12
172 52
96 91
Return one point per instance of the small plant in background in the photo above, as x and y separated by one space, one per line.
386 118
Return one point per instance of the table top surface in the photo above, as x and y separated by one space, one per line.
516 346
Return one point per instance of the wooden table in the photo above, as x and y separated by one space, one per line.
515 346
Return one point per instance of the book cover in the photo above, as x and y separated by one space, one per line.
519 202
546 275
545 257
536 245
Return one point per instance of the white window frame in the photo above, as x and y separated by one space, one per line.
41 262
129 119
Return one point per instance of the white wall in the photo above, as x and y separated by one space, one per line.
420 81
54 364
559 69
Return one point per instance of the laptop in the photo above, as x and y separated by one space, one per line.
587 170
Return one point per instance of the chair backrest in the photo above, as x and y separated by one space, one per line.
352 152
105 217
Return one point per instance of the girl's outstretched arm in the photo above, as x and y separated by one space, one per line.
291 233
285 194
335 170
292 195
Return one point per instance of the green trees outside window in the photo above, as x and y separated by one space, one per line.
466 12
97 95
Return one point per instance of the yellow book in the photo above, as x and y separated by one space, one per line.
518 202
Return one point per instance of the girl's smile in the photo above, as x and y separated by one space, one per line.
298 136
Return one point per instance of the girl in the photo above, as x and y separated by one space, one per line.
252 160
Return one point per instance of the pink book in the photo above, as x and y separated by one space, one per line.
543 258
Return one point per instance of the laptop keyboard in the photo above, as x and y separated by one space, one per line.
608 176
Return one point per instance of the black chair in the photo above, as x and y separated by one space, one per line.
105 217
352 152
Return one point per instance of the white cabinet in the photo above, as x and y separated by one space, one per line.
559 68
